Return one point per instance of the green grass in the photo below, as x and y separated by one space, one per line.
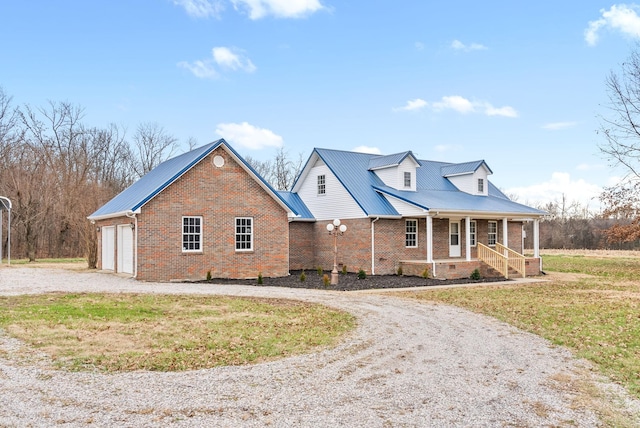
598 317
124 332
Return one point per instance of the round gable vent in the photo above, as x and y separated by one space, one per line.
218 161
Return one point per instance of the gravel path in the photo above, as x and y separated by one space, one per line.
407 364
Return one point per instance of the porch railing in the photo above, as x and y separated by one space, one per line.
494 259
515 260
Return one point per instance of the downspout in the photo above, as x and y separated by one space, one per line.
373 246
135 242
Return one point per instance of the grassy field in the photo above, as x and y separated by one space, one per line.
591 304
125 332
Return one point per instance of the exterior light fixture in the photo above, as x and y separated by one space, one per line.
335 229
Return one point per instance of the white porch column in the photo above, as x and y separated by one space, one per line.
429 239
505 232
536 238
467 237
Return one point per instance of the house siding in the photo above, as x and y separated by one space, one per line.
335 203
218 195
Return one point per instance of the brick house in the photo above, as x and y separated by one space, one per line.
205 210
404 212
208 210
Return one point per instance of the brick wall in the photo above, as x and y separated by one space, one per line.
302 250
218 195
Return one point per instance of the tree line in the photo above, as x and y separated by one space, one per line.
56 171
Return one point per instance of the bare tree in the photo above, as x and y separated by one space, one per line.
152 145
621 131
281 172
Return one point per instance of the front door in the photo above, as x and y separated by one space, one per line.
454 239
108 249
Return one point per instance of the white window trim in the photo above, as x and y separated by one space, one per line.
489 233
322 185
481 185
406 222
407 174
473 232
182 235
235 235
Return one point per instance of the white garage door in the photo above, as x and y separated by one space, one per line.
125 249
108 253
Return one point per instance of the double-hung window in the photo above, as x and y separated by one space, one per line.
472 233
411 233
407 179
191 234
244 233
322 184
492 236
480 185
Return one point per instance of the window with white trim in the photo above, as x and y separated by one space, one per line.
244 233
411 233
473 227
492 236
191 234
407 179
480 185
322 184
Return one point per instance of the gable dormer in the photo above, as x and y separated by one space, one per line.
469 177
397 171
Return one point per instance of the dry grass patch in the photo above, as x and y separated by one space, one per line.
124 332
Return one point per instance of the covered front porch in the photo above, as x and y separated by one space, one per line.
492 246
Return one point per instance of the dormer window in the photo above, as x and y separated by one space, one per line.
322 188
407 179
480 185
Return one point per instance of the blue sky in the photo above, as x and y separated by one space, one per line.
518 84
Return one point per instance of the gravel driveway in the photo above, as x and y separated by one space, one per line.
407 364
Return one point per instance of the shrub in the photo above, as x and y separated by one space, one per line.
260 280
344 269
399 270
325 280
303 277
362 274
209 275
319 269
425 273
475 275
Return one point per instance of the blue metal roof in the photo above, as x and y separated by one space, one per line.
433 190
294 200
378 161
156 180
463 168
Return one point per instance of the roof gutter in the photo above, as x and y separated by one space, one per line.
126 213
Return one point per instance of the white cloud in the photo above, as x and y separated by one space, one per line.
232 59
464 106
200 8
278 8
367 149
248 136
201 69
225 58
621 17
556 126
459 46
416 104
558 185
